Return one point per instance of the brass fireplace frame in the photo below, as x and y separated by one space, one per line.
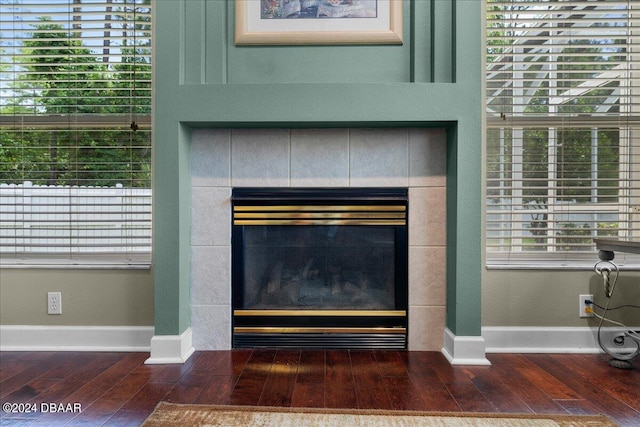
320 328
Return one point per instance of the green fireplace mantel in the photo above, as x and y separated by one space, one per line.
203 80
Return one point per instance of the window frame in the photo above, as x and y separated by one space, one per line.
509 92
115 231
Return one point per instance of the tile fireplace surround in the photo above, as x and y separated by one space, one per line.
225 158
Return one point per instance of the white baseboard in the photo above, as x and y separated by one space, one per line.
171 348
464 350
75 338
528 339
459 350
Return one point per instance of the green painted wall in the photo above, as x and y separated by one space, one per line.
202 79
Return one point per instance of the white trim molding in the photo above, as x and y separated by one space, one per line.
537 339
171 348
464 350
75 338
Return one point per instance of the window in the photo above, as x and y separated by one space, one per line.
75 132
563 129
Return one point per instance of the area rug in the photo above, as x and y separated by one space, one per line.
169 414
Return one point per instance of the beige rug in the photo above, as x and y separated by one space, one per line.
169 414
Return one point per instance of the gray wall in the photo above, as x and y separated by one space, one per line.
550 297
94 297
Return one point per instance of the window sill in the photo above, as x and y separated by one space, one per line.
84 266
564 266
78 262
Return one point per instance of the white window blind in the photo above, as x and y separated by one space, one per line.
75 132
563 129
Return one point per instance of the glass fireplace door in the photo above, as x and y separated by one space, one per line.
323 267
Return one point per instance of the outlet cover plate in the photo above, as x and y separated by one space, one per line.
54 303
582 305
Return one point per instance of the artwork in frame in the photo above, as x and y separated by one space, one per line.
307 22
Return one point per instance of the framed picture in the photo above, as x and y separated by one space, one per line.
307 22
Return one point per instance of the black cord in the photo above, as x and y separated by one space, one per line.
615 308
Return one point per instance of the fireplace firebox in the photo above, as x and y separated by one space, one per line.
320 268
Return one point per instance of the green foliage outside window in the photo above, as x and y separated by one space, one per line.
58 76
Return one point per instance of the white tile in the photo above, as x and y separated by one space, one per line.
210 216
427 216
211 326
427 275
211 158
260 158
426 328
436 219
210 275
427 157
379 157
320 158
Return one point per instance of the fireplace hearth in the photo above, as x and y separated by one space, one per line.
320 267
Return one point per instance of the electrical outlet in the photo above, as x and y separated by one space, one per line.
584 305
54 303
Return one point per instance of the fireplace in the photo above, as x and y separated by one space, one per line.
320 267
224 159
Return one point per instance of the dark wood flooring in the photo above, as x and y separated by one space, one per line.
117 389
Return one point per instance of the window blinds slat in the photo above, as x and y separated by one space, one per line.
563 128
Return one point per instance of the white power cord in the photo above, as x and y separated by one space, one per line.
609 272
605 269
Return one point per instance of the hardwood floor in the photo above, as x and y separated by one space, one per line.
117 389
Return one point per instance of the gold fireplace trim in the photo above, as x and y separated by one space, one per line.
317 222
379 313
320 215
319 208
316 330
388 215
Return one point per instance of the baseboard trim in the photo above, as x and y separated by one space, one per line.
459 350
166 349
464 350
528 339
75 338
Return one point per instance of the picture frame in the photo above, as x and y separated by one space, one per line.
318 22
